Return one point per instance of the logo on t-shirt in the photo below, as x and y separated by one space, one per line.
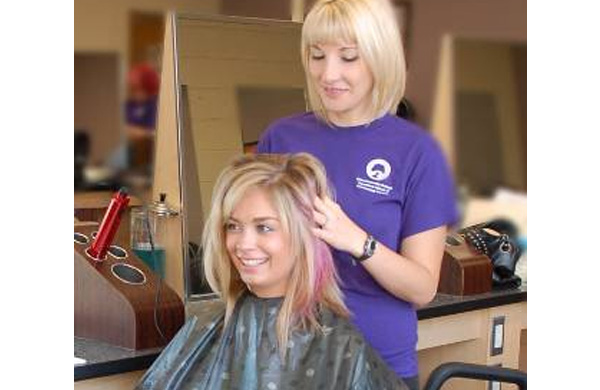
377 170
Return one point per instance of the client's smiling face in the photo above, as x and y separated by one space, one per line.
258 246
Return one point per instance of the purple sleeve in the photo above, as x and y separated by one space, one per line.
430 199
264 143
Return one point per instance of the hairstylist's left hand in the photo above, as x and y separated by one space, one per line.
336 228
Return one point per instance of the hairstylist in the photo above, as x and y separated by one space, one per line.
394 191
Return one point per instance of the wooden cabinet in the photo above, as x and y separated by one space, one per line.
125 381
467 337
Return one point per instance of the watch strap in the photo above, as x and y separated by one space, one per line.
368 249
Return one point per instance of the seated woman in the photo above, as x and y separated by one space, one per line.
285 324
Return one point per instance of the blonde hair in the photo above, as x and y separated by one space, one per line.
372 25
292 181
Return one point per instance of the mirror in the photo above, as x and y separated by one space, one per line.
230 78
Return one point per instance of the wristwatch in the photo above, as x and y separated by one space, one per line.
368 249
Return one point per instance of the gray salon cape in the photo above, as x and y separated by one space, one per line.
245 355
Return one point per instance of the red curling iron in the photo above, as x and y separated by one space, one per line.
109 225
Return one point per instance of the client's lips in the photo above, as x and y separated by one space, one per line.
253 262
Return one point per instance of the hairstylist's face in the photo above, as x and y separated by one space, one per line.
258 246
343 81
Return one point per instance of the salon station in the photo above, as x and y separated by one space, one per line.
220 72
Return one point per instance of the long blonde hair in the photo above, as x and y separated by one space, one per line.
292 181
372 25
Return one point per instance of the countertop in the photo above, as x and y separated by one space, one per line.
103 359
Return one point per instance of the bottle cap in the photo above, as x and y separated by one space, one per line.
160 207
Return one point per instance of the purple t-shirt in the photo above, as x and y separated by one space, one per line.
392 180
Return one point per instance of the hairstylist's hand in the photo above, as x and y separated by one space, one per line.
336 229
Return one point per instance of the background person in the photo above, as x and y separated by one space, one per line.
143 83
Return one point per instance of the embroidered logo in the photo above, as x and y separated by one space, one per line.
377 170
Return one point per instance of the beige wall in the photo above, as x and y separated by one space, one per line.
271 9
432 19
103 25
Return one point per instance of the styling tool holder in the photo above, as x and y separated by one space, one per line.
464 271
118 298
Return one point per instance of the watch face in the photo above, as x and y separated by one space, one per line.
372 246
369 248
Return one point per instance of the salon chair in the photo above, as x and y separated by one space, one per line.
450 370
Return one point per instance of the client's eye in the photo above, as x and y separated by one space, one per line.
262 228
232 227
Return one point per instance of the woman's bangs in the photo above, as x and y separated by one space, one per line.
328 26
